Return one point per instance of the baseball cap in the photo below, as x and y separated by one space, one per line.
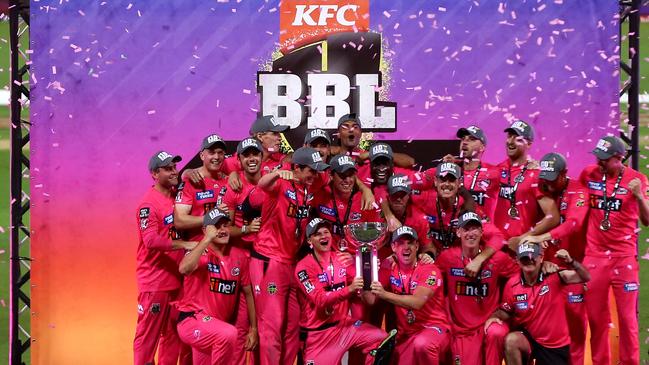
214 216
266 123
308 156
315 134
521 128
404 231
467 218
380 150
398 183
315 224
342 163
162 159
446 168
349 118
211 140
608 147
248 143
551 166
529 250
472 131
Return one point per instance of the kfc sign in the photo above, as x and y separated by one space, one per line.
304 15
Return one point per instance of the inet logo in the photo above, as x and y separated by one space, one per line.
304 14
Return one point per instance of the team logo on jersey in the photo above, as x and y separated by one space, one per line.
323 278
455 271
291 195
212 267
179 197
144 212
522 306
484 184
272 288
521 297
302 276
395 281
564 205
342 273
235 271
140 308
413 285
629 287
503 174
206 319
622 191
575 298
431 280
202 195
308 286
580 203
155 308
544 289
144 222
169 219
431 219
597 202
355 216
197 334
227 287
471 289
484 274
595 185
326 210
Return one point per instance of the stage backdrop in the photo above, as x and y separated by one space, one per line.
114 81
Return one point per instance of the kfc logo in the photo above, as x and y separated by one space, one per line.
304 14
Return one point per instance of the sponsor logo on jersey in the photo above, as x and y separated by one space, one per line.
179 197
544 290
290 194
431 219
327 211
144 212
302 276
272 288
212 267
202 195
564 205
521 306
144 222
457 271
629 287
169 219
597 202
342 273
503 174
395 281
472 289
595 185
413 285
431 280
479 197
308 286
505 191
575 298
520 297
323 278
227 287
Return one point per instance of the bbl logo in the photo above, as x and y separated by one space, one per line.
330 66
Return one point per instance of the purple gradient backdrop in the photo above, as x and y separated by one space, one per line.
115 81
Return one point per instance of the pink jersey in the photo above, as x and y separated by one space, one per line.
404 282
323 291
621 239
273 162
526 196
441 227
234 201
472 300
416 218
157 264
342 212
285 213
202 200
484 184
538 308
215 285
571 233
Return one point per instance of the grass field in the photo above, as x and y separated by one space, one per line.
4 200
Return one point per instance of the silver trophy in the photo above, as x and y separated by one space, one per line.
367 236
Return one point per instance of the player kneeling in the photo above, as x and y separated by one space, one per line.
326 329
214 272
534 302
418 295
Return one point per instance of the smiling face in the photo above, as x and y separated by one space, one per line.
470 235
381 169
250 161
471 147
344 183
405 248
212 158
350 134
516 146
222 232
530 266
610 165
166 176
447 186
321 240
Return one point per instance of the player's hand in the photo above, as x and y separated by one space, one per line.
224 208
367 200
548 267
195 176
393 223
564 255
254 226
235 182
252 339
514 242
345 258
533 164
356 285
537 240
363 156
473 268
491 321
635 186
426 259
377 289
285 174
449 158
210 232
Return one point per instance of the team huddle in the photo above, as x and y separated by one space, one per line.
246 260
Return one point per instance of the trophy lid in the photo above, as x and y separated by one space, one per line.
366 232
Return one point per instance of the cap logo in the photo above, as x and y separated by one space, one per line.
315 156
345 160
315 222
215 213
163 156
400 181
403 230
318 133
380 149
214 138
603 145
525 249
273 121
473 129
470 216
248 142
447 167
520 126
547 166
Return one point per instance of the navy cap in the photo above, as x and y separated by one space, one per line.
552 164
315 224
467 218
380 150
212 140
474 132
248 143
314 134
162 159
446 168
266 123
529 250
214 216
349 118
342 163
398 183
404 231
608 147
308 156
521 128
